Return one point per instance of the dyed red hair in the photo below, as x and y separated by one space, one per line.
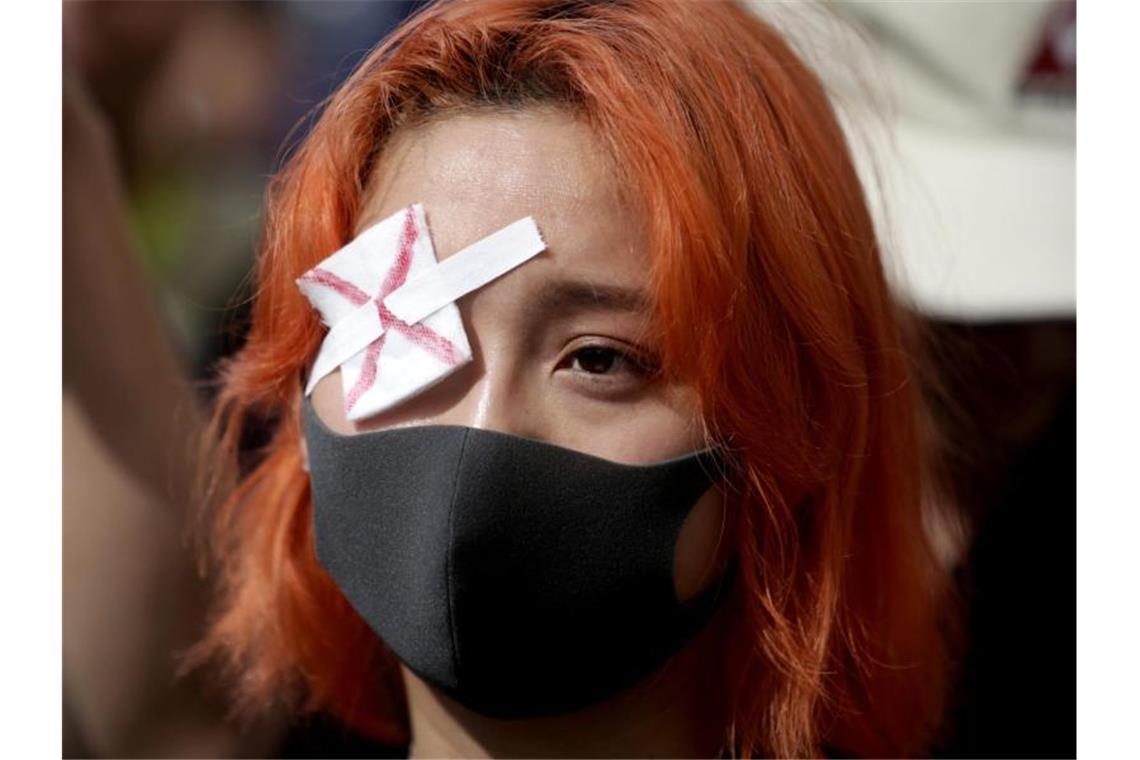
771 298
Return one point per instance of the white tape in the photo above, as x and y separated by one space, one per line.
465 271
344 340
384 359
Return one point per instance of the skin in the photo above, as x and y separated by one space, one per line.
564 353
132 596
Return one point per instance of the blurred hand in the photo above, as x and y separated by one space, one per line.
132 599
118 356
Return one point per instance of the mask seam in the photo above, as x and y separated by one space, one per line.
448 564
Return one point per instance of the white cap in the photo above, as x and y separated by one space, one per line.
973 185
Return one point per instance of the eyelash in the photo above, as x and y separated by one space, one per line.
627 360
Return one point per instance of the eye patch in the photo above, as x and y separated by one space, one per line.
394 328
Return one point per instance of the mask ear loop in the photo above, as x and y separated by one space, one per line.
728 571
719 541
725 461
704 604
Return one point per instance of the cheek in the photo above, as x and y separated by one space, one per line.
628 434
702 546
661 424
328 403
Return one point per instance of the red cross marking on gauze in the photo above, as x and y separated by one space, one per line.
419 334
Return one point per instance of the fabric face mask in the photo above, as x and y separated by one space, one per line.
518 577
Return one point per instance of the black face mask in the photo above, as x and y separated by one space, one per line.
518 577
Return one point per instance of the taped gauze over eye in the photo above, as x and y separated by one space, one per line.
394 328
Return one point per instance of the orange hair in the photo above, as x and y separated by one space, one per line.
770 295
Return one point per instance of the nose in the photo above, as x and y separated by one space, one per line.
488 394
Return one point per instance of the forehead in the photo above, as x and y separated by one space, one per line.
477 172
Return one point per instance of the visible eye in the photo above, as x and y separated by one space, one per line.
607 368
598 360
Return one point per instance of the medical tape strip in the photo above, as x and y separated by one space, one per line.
470 269
344 340
425 293
358 266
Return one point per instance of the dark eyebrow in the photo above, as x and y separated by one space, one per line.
560 296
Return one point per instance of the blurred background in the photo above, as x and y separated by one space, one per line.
962 119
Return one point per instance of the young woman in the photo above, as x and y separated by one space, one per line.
711 283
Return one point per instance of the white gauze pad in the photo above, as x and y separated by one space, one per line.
394 329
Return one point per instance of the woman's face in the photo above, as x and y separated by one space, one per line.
563 350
